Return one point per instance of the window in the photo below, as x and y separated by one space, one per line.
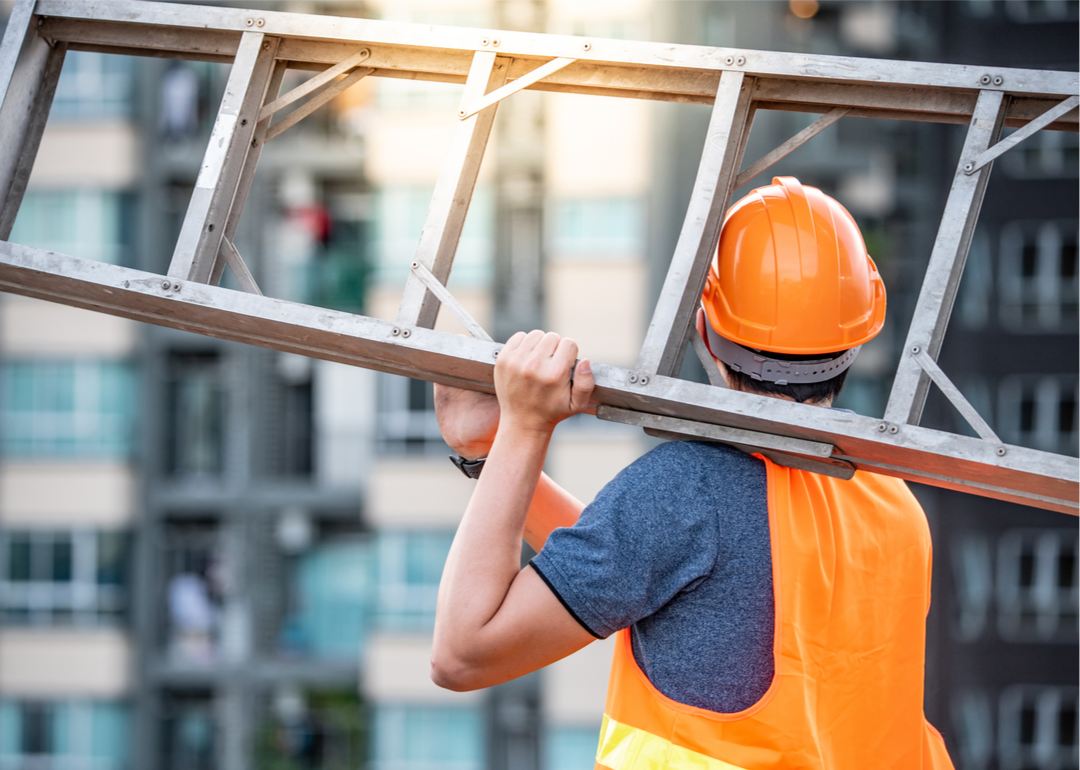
1039 283
406 419
82 223
1037 586
93 86
428 738
1047 154
399 219
195 445
332 587
67 409
570 748
602 228
1039 412
58 735
189 731
52 578
1037 728
408 568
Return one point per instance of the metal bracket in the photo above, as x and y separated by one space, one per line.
314 84
814 456
522 82
954 395
792 144
240 270
447 299
1027 131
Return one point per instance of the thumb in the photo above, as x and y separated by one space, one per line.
583 386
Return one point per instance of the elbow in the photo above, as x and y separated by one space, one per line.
451 673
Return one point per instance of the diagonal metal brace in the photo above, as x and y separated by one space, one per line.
954 395
1029 130
792 144
522 82
432 283
314 83
712 369
240 270
315 103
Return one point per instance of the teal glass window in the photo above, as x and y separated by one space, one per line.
64 734
570 747
333 585
409 566
597 228
67 409
93 86
399 219
408 737
82 223
60 578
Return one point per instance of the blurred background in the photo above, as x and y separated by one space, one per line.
219 556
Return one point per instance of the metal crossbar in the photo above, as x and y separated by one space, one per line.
493 65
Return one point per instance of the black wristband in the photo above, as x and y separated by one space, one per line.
470 468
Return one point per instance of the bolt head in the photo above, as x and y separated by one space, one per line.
165 284
741 60
495 42
249 22
406 333
485 41
632 378
415 264
915 350
586 46
985 80
893 429
260 22
643 380
998 80
395 332
729 60
882 427
1001 451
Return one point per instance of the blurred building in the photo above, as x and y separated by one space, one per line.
218 556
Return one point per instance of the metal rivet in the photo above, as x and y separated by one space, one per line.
496 354
485 41
998 80
1001 451
395 332
249 22
586 46
915 350
969 167
406 333
266 46
643 380
893 429
632 378
415 264
260 22
461 113
495 42
741 61
882 427
254 142
165 284
729 60
985 80
243 122
210 228
176 287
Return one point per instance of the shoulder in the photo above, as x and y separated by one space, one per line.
688 464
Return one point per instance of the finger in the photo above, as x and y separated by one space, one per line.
514 342
531 340
582 385
548 344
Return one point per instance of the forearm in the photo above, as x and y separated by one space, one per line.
486 553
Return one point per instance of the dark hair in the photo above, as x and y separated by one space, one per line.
803 392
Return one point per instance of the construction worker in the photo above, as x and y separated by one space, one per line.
765 617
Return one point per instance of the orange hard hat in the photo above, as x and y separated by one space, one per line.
791 274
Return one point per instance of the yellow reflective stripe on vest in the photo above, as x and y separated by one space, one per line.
623 747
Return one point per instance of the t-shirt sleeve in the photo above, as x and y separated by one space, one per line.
648 535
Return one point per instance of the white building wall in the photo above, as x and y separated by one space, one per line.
65 663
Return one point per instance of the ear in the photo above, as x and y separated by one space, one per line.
699 323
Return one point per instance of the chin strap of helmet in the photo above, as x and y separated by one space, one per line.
759 366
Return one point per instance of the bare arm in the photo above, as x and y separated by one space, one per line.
495 621
468 421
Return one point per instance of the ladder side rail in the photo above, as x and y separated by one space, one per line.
543 46
453 193
672 320
811 92
1038 478
243 187
204 224
27 99
942 278
16 33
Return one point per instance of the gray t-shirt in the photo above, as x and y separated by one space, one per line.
677 546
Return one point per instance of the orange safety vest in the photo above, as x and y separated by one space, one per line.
851 581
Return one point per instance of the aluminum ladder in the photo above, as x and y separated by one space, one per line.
494 65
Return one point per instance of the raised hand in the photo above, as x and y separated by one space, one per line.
536 381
